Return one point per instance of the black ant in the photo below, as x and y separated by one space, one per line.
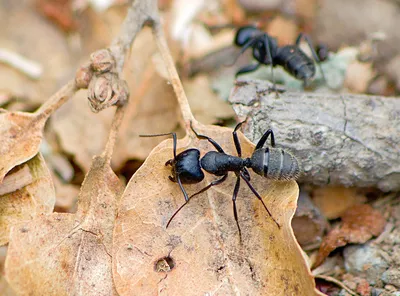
272 163
267 52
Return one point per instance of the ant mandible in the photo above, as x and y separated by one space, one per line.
267 52
270 162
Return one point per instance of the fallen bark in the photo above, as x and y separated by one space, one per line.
350 140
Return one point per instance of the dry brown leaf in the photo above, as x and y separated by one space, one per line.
206 106
306 8
69 254
30 193
359 224
201 248
333 201
153 106
67 196
285 30
358 76
81 132
21 134
40 42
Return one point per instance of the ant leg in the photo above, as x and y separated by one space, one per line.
213 183
244 47
215 144
268 50
181 186
259 197
315 56
264 138
246 173
236 139
166 134
248 69
235 193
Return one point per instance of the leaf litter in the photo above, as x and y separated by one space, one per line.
69 254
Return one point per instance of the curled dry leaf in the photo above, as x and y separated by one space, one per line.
68 254
359 224
21 134
25 193
201 252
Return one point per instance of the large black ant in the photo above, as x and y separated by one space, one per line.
272 163
267 52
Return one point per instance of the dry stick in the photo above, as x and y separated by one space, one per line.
337 282
173 74
117 119
56 100
350 140
141 12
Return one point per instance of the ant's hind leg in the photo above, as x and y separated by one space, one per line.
215 144
264 138
268 51
236 139
235 193
258 196
314 54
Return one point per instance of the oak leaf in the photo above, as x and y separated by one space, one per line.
201 252
25 193
68 254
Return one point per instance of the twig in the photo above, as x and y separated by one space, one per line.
56 100
30 68
173 74
337 282
350 140
140 13
116 123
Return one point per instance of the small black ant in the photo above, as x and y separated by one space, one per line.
272 163
267 52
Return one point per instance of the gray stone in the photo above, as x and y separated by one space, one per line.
365 261
392 277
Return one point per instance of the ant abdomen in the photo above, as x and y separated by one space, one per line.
296 62
275 163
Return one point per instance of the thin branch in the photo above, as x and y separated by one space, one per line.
141 12
337 282
112 137
173 74
57 100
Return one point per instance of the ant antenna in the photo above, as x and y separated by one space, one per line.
244 48
161 135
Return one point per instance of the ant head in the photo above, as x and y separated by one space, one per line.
245 34
187 167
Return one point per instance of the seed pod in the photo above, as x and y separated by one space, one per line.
83 76
102 61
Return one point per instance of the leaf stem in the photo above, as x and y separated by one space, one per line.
56 100
173 74
112 137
